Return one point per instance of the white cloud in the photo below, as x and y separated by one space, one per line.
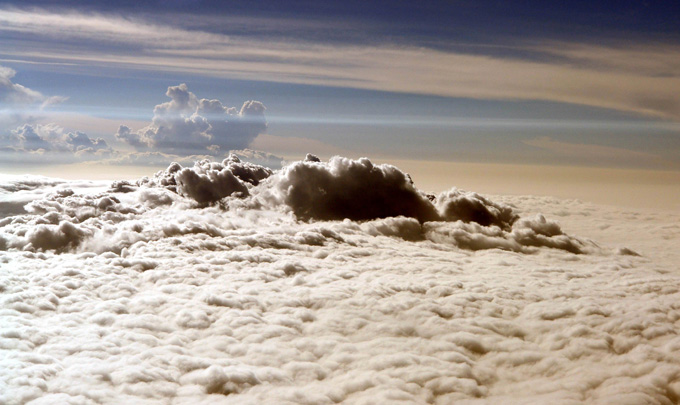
15 93
136 295
161 159
22 139
51 143
187 125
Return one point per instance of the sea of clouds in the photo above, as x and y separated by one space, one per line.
329 282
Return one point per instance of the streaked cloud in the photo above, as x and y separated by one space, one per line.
634 79
587 153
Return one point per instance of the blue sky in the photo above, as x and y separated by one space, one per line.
577 83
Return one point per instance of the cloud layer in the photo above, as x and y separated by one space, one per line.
637 78
141 293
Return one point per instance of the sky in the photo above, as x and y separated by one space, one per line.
584 84
323 202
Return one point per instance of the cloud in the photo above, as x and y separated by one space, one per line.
50 142
151 159
16 94
13 93
635 78
311 190
187 125
137 294
345 188
160 159
598 154
208 182
23 139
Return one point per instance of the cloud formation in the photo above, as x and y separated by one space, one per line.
186 125
311 190
346 188
137 293
636 78
14 93
40 139
590 154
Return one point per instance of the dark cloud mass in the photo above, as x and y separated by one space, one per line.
354 189
188 125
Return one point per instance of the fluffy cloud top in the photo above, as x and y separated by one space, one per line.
188 125
141 294
354 190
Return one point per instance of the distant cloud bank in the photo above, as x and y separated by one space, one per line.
181 129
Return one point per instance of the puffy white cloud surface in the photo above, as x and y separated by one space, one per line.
149 293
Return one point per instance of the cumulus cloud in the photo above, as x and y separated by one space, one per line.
188 125
137 293
21 138
21 108
312 190
41 139
346 188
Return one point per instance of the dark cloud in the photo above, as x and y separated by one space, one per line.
208 182
457 205
354 189
188 125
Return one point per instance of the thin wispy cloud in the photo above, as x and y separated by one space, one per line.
13 93
598 154
576 73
